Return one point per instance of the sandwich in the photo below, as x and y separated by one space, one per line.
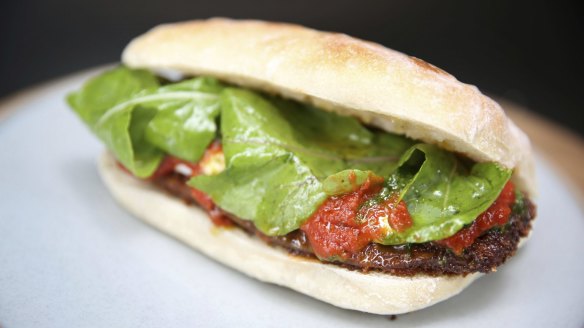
352 173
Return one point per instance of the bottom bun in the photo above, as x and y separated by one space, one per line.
373 292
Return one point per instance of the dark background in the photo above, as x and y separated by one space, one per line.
525 51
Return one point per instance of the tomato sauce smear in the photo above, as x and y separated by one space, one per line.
168 166
341 226
496 215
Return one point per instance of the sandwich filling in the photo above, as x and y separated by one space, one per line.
314 182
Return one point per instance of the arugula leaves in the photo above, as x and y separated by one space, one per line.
347 181
442 193
283 158
277 158
139 120
184 127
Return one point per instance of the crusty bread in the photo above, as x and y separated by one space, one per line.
372 292
382 87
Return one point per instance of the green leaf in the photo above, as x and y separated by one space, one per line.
105 91
277 157
347 181
277 193
139 121
441 192
330 143
185 127
123 131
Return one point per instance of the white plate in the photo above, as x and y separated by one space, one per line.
70 257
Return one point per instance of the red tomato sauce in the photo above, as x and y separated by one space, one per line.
217 216
170 162
395 211
496 215
167 166
341 226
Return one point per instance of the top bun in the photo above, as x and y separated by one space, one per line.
336 72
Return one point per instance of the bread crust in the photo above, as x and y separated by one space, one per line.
336 72
372 292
